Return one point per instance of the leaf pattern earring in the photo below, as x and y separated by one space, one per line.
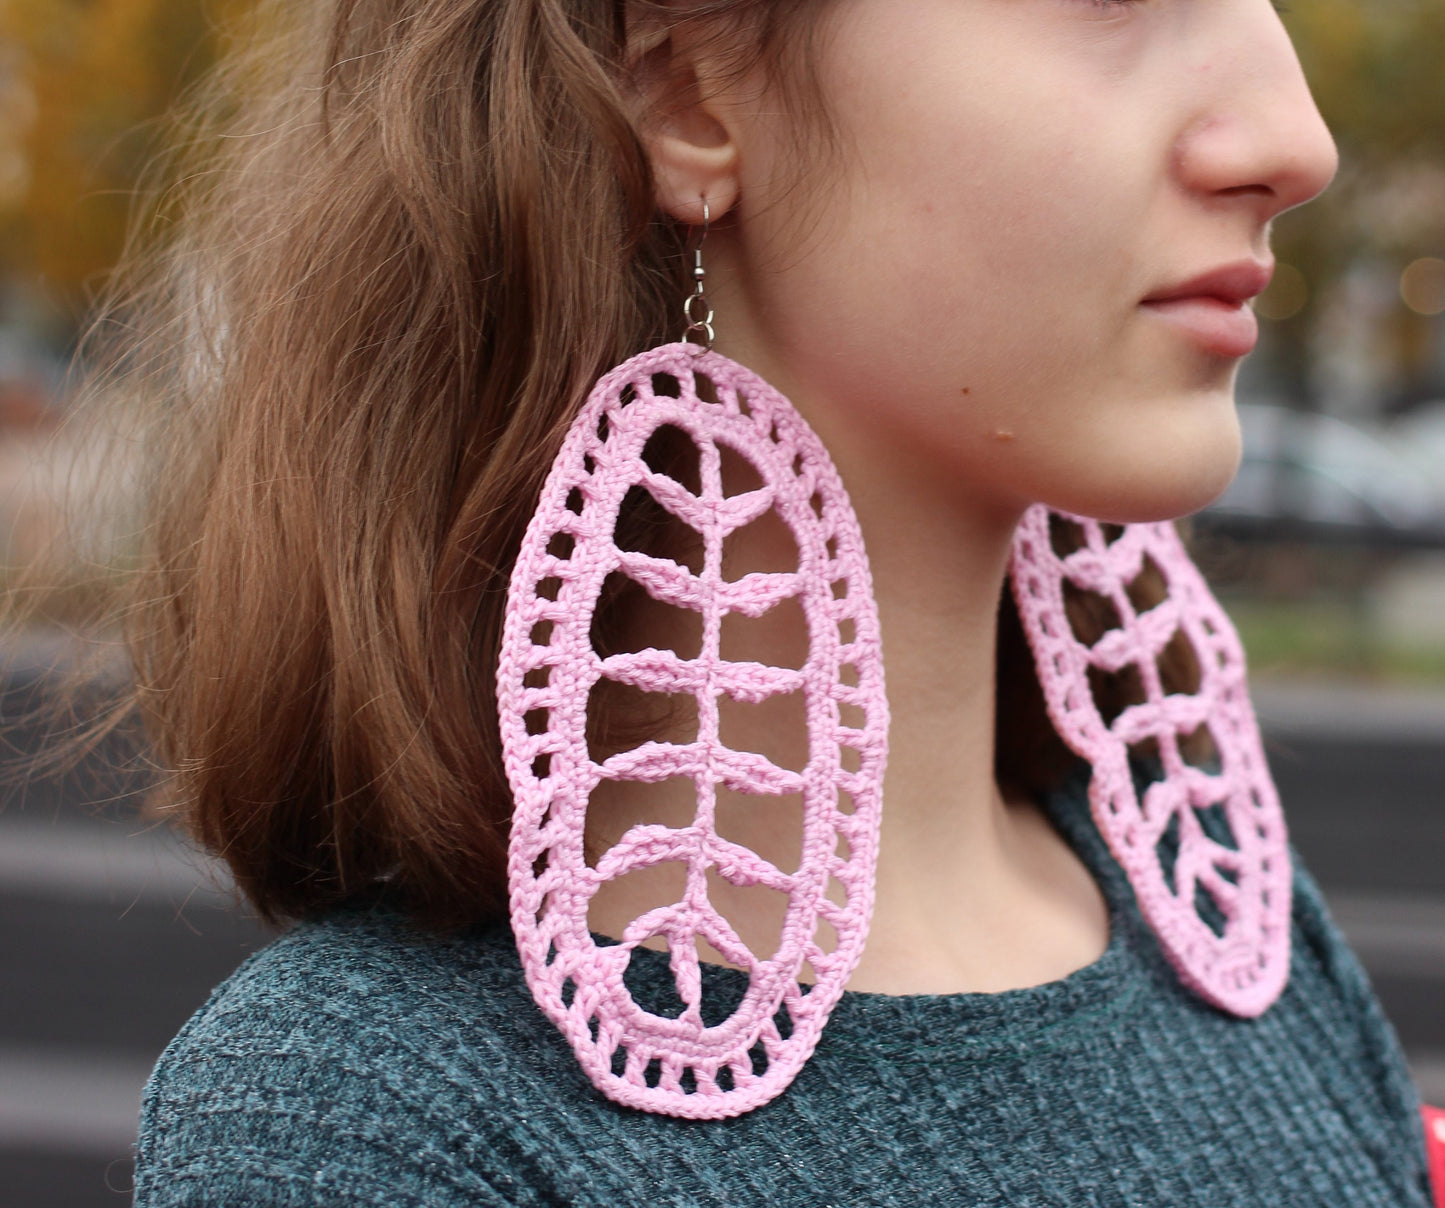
1205 848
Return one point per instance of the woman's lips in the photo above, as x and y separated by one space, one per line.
1213 307
1219 326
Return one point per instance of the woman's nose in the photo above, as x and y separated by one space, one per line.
1258 133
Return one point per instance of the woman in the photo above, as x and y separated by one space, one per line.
997 254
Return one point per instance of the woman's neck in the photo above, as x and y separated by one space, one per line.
973 892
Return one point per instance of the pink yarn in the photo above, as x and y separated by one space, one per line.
552 775
1243 970
682 1066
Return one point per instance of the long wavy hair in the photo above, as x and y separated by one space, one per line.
409 236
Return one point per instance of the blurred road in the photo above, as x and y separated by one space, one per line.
111 934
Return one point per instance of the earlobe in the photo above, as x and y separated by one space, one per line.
686 174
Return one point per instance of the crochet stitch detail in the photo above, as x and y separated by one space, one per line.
681 1065
1221 911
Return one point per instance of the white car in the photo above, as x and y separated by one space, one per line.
1419 438
1319 470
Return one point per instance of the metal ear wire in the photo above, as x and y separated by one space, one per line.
695 308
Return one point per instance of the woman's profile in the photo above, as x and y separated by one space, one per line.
659 566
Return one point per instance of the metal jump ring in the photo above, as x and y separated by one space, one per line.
705 330
690 308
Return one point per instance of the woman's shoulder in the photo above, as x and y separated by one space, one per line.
342 1056
366 983
367 958
1330 985
1328 1018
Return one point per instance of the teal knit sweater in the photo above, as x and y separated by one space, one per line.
358 1062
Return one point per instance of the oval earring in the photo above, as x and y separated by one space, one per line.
1222 910
688 1066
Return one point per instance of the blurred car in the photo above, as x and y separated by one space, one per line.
1420 439
1316 476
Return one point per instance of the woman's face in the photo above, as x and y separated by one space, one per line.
958 297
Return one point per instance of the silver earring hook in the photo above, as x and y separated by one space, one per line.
695 309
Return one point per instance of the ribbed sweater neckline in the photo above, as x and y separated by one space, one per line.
871 1025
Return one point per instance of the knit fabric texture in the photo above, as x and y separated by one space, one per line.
356 1061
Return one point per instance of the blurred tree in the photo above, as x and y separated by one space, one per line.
82 84
1377 68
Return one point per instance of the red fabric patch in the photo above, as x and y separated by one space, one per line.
1435 1148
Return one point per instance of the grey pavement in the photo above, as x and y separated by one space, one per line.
1321 709
68 1101
110 864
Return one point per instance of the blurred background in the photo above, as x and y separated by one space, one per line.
1329 551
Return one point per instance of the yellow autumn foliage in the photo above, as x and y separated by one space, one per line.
83 84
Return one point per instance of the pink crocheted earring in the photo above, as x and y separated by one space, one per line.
691 1066
681 1065
1221 907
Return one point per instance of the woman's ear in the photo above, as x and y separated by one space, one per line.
684 126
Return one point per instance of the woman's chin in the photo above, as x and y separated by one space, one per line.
1142 489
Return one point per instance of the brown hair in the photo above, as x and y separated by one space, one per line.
413 233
